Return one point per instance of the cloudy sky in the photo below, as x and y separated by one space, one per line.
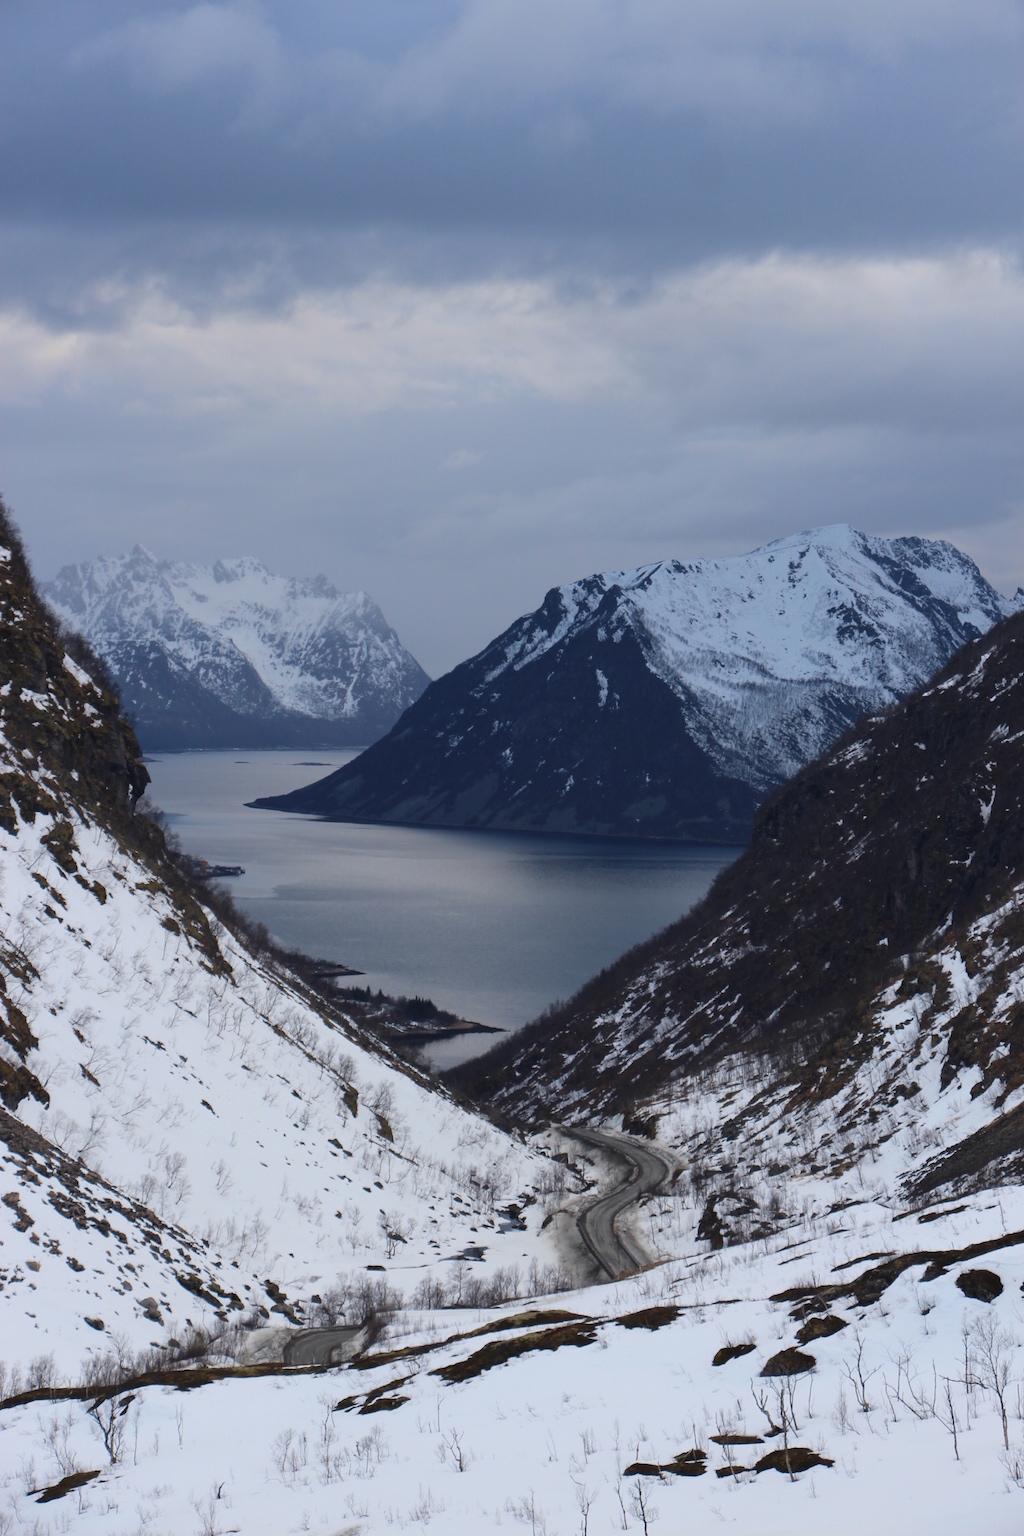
457 299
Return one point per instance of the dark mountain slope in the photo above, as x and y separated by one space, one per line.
83 732
909 832
455 757
667 702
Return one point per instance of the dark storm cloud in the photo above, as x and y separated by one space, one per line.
454 299
682 130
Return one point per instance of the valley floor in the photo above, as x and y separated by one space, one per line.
535 1423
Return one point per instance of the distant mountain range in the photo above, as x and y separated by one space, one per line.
234 656
667 702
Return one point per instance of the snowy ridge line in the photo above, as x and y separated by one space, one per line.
193 1141
722 632
861 871
668 702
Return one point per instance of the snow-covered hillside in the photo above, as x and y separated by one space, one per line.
862 873
667 701
232 655
189 1135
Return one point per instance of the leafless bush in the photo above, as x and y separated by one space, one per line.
452 1452
111 1370
547 1279
198 1344
841 1413
58 1439
642 1507
330 1308
394 1230
334 1463
909 1391
1013 1461
528 1512
858 1377
585 1502
42 1373
290 1454
945 1411
208 1512
382 1102
776 1400
10 1381
109 1416
430 1295
371 1450
992 1354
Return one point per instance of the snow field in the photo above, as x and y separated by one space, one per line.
543 1441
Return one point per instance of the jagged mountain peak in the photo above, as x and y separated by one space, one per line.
904 844
667 701
234 655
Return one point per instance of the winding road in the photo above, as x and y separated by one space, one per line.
649 1169
322 1346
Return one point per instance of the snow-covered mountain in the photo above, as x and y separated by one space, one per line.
234 656
667 701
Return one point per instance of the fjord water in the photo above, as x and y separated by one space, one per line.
494 926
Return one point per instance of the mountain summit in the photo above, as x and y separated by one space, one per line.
669 701
234 656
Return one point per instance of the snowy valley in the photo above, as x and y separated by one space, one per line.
258 1275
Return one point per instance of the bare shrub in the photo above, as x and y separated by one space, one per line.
58 1439
290 1454
10 1381
992 1354
394 1229
109 1416
858 1376
330 1308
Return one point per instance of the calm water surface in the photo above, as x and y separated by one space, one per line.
491 925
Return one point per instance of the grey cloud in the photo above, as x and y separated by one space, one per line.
454 299
461 458
696 130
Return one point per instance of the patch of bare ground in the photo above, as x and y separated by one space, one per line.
502 1350
732 1352
869 1286
66 1485
686 1464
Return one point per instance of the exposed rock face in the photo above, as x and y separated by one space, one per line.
667 702
233 656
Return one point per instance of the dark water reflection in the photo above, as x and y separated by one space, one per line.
490 925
